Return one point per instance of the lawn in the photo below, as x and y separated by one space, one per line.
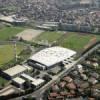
50 36
7 52
2 82
8 32
77 41
72 40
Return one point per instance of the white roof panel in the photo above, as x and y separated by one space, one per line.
38 82
52 55
15 70
19 80
28 77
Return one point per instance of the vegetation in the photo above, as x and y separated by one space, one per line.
72 40
49 36
7 53
8 32
77 41
2 82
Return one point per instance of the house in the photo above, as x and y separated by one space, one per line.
71 86
60 98
54 94
84 85
68 79
90 98
80 68
64 93
95 75
50 98
70 95
72 92
84 77
96 93
62 84
55 88
95 64
92 80
78 82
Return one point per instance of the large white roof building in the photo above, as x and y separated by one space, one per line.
53 55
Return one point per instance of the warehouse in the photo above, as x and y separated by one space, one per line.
49 57
27 77
36 83
19 82
14 71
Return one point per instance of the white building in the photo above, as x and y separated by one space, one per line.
13 19
34 82
14 71
37 83
85 1
19 82
27 77
48 57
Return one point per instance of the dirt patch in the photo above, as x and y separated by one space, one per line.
29 34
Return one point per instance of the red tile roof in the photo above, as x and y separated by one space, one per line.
67 79
62 84
71 85
54 94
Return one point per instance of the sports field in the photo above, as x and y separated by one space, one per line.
50 36
7 52
78 41
72 40
29 34
8 32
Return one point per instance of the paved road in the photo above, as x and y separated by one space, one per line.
38 93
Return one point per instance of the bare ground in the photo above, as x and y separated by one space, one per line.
29 34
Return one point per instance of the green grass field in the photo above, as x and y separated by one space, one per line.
77 41
3 81
8 32
7 52
72 40
50 36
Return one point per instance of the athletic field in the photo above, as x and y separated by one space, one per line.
7 52
8 32
72 40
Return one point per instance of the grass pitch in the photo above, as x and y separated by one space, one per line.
78 41
7 32
7 52
49 36
72 40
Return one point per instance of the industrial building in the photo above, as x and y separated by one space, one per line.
49 57
19 82
14 71
35 83
27 77
13 19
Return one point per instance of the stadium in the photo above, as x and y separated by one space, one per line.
47 58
